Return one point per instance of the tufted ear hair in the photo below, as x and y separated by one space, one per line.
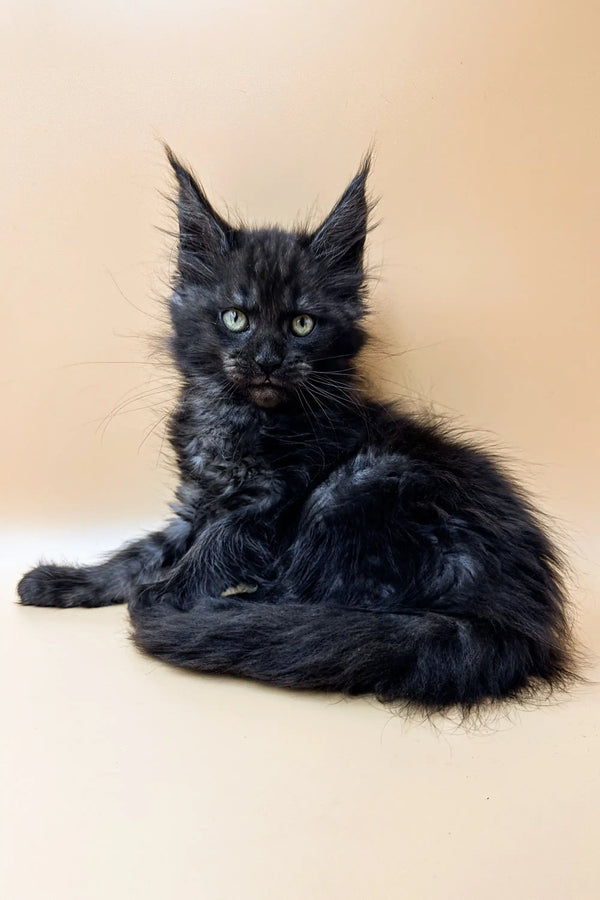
203 235
339 241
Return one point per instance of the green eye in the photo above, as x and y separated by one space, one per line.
303 325
235 319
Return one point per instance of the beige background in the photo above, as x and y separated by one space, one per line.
123 778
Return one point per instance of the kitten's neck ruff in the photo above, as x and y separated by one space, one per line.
212 423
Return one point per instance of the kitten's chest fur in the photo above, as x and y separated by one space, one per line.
219 451
232 454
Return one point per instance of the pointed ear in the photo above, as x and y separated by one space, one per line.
203 235
340 240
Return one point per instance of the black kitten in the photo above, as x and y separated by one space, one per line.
321 539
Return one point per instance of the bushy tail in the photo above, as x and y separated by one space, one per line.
430 659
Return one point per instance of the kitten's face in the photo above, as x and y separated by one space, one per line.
271 314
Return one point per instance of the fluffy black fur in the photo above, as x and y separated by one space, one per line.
321 539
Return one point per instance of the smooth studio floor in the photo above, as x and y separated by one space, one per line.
124 778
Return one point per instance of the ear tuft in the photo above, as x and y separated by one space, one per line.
339 241
203 235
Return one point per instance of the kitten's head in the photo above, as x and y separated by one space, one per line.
273 314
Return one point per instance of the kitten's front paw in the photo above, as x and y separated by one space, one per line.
63 586
47 586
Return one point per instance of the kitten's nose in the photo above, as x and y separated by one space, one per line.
268 367
268 359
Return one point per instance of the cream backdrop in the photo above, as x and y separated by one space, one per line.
126 779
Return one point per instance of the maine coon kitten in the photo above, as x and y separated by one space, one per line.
321 539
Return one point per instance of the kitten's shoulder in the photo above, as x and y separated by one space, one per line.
429 437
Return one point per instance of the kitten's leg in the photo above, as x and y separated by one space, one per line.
113 581
360 541
233 554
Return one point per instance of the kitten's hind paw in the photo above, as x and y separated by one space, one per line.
62 586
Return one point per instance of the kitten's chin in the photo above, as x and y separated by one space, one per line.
266 396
